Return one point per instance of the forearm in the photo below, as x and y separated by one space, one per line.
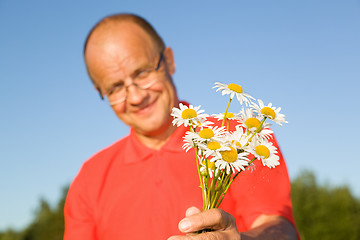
270 227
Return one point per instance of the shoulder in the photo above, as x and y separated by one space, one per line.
94 171
103 157
81 200
96 166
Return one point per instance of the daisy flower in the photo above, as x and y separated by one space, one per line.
239 139
229 116
188 142
208 134
205 135
212 148
210 166
231 160
266 152
191 116
251 122
269 111
233 89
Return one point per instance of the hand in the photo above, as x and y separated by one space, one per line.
221 223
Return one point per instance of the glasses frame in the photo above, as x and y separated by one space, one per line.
102 97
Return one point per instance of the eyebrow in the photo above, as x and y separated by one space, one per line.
132 75
110 87
138 69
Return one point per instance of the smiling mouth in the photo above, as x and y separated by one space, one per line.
146 109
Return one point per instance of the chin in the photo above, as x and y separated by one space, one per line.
154 127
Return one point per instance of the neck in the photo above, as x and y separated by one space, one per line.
157 139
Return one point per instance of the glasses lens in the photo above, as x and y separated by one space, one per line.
116 96
145 83
143 80
115 100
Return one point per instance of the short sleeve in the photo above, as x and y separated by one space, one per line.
261 191
79 220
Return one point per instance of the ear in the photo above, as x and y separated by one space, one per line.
169 59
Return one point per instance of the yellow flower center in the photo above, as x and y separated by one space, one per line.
252 122
268 112
213 145
230 155
237 143
262 150
229 115
236 88
188 113
211 165
206 133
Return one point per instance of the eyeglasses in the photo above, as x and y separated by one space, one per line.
143 79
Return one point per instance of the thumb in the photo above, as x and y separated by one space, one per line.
192 211
185 224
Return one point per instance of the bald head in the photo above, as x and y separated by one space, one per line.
109 28
113 23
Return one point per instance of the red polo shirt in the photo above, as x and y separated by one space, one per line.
128 191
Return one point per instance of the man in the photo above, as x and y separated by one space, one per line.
142 186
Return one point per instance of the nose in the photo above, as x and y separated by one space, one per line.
135 95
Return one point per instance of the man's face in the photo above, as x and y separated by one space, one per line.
114 56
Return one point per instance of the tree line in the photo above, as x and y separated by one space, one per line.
320 211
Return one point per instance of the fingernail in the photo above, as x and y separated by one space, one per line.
184 225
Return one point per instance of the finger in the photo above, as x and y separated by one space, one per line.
215 219
192 211
213 236
189 212
208 236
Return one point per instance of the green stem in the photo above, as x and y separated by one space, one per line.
212 189
207 185
257 131
227 108
207 172
198 168
224 181
226 189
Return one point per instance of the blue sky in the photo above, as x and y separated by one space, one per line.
301 55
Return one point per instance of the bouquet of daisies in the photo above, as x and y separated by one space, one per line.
222 154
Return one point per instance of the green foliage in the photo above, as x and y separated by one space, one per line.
323 212
48 223
10 235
